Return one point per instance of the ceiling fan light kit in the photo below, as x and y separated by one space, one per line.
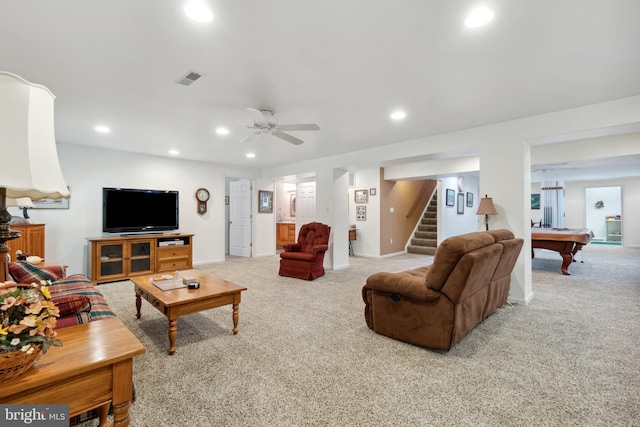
263 124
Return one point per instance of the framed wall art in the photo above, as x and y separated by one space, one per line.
372 191
460 203
451 198
361 196
469 200
51 203
265 199
361 213
292 205
535 201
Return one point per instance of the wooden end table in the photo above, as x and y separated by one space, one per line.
93 368
213 292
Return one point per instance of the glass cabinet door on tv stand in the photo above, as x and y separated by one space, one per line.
120 258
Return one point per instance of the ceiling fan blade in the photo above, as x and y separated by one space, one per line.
307 126
249 138
289 138
257 115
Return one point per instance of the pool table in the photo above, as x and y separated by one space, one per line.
565 241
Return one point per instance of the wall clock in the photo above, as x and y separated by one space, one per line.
202 195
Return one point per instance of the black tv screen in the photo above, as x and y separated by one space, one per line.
127 210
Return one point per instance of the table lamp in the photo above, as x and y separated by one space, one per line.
486 208
27 142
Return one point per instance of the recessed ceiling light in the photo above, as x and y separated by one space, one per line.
174 152
479 17
222 131
102 129
250 155
198 11
398 115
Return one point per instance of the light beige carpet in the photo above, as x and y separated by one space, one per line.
305 357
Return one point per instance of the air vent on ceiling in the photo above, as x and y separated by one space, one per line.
189 79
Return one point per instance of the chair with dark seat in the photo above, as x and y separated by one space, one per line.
304 259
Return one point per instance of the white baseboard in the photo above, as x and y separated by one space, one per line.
380 256
213 261
525 301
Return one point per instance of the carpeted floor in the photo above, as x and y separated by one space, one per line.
305 357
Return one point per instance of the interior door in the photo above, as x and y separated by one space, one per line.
306 203
240 218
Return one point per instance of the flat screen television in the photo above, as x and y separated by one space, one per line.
128 210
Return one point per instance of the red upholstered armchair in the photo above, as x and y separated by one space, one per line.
304 260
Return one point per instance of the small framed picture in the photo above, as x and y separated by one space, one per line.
361 196
361 213
451 197
535 201
372 191
265 200
226 200
460 203
469 200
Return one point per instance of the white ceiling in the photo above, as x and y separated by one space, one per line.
345 65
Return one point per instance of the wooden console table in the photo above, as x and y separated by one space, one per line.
92 369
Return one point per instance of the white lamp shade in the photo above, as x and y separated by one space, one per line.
30 166
21 202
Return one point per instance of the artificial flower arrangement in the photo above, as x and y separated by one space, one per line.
27 318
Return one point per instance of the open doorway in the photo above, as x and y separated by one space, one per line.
604 214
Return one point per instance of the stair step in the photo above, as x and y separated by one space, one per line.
429 221
429 227
426 234
432 243
423 250
431 215
432 208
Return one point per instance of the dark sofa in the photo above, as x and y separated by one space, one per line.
436 305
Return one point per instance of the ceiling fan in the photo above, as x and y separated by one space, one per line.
264 124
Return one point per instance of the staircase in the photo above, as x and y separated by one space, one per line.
425 239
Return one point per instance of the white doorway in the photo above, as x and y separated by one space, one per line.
240 218
604 214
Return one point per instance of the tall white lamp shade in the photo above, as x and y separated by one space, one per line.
30 166
27 141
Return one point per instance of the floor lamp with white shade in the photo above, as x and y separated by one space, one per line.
27 141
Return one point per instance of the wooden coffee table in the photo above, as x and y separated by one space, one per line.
213 292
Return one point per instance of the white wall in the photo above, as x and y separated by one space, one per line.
264 225
87 170
611 198
367 241
450 222
576 205
282 199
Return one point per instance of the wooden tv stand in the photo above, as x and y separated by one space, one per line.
121 257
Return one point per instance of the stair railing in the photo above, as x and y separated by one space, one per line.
417 199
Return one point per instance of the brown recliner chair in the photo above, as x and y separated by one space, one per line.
304 260
436 305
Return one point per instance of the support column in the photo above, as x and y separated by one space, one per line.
332 209
511 197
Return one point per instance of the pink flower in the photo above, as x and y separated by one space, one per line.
9 302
